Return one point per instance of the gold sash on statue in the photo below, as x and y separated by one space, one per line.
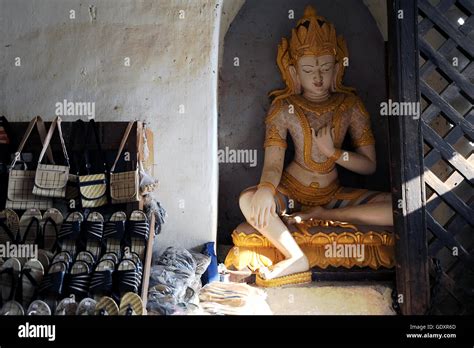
307 195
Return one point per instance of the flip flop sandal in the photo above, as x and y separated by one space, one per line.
106 306
38 307
52 286
110 256
94 233
51 225
12 308
31 275
135 258
87 257
63 256
44 257
129 255
70 233
9 226
128 277
102 279
9 279
86 307
138 232
67 306
114 232
79 280
30 228
131 304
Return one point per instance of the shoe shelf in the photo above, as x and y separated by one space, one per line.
110 135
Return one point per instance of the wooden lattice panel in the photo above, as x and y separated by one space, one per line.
446 44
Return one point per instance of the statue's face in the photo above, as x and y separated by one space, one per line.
315 74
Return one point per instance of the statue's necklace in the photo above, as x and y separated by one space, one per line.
334 104
318 108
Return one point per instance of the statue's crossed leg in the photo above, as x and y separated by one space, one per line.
357 206
279 235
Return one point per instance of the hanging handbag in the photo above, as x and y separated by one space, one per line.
125 186
20 182
72 186
51 179
93 187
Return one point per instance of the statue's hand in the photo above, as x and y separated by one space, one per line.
324 140
262 205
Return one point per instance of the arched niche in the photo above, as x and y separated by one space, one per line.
253 37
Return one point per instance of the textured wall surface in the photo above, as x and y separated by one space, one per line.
173 62
253 38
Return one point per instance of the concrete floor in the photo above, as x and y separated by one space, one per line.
332 298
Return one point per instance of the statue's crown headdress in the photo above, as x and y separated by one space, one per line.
313 35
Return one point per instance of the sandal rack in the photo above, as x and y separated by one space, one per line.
109 136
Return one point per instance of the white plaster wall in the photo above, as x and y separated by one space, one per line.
173 62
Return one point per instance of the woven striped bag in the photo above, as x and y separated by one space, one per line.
21 182
51 179
93 187
125 186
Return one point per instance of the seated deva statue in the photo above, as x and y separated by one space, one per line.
318 112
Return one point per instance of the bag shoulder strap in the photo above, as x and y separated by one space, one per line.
38 121
57 122
77 144
92 125
122 144
72 145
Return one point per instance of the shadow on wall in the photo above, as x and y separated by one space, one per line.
249 71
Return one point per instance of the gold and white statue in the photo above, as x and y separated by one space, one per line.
318 112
